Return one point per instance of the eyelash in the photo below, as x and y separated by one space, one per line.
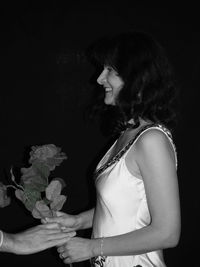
110 69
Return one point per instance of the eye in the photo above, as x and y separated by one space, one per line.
111 70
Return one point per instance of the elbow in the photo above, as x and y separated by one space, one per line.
171 239
168 232
168 236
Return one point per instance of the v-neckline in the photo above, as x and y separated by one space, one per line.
105 162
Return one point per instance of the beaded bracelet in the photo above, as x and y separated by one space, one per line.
1 240
101 246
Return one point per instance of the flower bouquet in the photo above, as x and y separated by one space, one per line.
39 195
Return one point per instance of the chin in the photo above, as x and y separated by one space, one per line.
109 102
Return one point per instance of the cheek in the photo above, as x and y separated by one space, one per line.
120 81
119 85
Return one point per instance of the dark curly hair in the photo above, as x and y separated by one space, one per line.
149 91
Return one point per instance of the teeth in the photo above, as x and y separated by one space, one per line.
108 89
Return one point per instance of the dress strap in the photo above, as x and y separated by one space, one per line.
158 127
118 156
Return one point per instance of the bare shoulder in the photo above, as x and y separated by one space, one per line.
154 142
152 137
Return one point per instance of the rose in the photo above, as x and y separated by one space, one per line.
39 195
49 155
43 152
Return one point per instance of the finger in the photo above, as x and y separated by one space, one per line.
60 235
70 234
60 213
51 232
68 260
54 219
52 225
67 230
61 249
63 255
43 221
58 242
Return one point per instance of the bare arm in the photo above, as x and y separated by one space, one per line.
86 219
155 159
35 239
80 221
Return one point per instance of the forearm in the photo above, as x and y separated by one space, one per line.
85 219
133 243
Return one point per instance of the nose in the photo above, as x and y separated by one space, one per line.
102 77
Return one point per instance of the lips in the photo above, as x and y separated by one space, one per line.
108 89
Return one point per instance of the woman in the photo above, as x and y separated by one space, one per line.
137 214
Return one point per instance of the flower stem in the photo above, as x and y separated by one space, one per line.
11 186
13 179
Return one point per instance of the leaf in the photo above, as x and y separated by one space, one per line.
58 202
29 205
41 169
36 187
41 210
27 172
31 198
35 183
46 201
56 160
60 180
4 199
20 195
34 178
6 202
31 194
53 189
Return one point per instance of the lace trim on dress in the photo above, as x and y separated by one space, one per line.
118 156
98 261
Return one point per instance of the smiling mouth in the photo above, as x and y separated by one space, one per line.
108 89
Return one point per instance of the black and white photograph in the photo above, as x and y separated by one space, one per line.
99 134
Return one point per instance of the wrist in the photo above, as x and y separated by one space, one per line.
97 247
79 222
7 243
85 219
1 238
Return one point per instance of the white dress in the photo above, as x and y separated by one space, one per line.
122 205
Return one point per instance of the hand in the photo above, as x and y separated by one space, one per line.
76 249
67 222
38 238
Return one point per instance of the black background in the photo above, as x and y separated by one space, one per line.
45 87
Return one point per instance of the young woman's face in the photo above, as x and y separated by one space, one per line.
112 84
